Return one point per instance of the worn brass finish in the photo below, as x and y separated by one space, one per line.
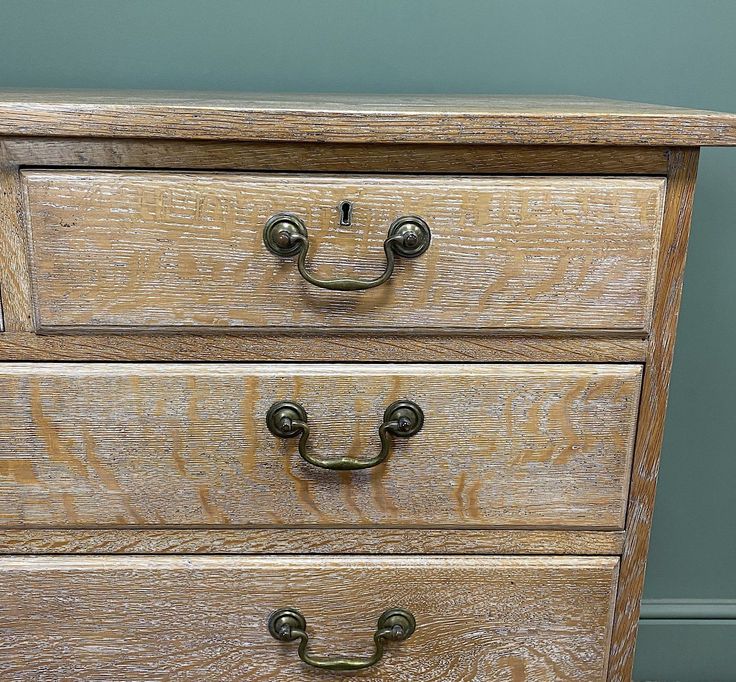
288 625
287 419
285 235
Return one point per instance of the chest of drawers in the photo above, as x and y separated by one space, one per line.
299 388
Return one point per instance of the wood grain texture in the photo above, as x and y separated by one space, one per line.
162 445
310 156
139 450
15 281
670 272
322 347
308 541
147 250
479 618
459 119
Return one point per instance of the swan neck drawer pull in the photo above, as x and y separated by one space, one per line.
288 625
285 235
287 419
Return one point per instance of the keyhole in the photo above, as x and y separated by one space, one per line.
346 213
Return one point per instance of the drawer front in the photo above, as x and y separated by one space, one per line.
141 250
486 618
188 444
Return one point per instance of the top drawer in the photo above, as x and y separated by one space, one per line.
151 250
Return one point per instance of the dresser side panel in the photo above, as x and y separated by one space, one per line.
670 273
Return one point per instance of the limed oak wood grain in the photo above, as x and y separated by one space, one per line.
317 156
76 442
309 540
15 281
162 445
318 347
479 618
655 389
137 250
432 119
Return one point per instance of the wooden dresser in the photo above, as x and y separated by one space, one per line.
378 383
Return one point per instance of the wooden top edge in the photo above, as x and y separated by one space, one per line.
342 118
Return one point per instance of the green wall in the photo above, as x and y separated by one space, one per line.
662 51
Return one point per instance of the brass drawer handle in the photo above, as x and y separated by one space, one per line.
288 625
286 235
287 419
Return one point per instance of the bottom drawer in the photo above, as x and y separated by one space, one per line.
480 618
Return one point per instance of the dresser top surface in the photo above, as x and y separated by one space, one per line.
342 118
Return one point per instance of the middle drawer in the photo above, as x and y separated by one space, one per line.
170 445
